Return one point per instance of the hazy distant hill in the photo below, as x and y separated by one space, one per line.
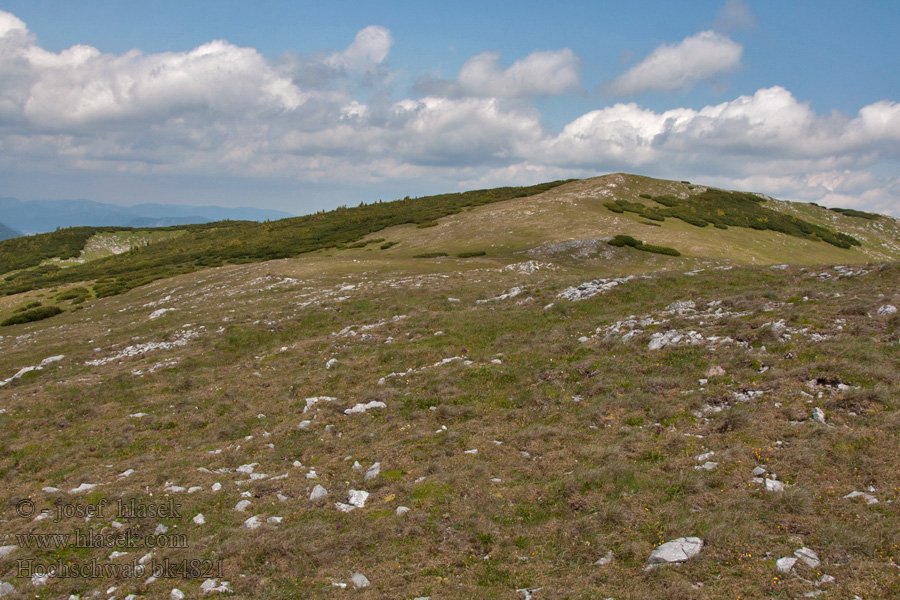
39 216
8 232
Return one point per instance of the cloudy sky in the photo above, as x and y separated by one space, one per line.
301 106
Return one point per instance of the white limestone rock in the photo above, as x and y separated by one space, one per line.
818 415
808 556
318 492
358 498
212 585
678 550
784 565
372 472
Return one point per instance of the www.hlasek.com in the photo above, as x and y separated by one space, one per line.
92 539
165 569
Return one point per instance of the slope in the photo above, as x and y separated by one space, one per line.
547 422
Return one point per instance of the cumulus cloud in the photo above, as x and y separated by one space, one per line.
544 73
538 74
81 86
770 127
679 67
220 109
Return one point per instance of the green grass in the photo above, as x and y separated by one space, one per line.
568 481
215 244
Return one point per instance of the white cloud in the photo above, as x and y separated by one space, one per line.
220 109
678 67
369 49
734 15
81 86
769 127
538 74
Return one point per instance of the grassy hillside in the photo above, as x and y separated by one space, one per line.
538 441
217 243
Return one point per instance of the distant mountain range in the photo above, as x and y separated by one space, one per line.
39 216
7 232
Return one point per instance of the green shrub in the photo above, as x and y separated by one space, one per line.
27 306
849 212
78 294
621 241
427 225
739 209
35 314
387 245
430 255
471 254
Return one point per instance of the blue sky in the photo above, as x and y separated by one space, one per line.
302 106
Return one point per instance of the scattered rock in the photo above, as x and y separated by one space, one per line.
361 408
887 309
199 519
504 296
242 505
310 402
6 550
176 594
212 585
318 492
818 415
401 510
527 594
360 580
84 487
6 588
372 472
773 485
331 363
358 498
759 471
869 498
678 550
252 523
592 288
784 565
809 557
707 466
607 558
